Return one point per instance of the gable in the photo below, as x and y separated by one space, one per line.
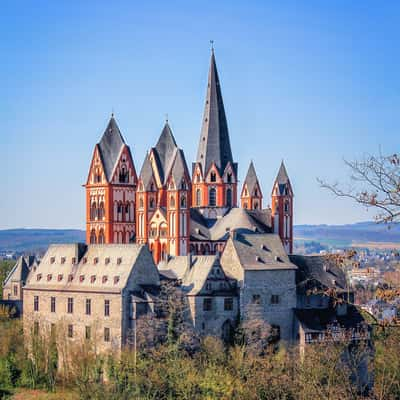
124 169
96 173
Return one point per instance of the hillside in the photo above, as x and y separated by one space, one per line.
345 235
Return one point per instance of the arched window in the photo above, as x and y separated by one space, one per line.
92 236
229 197
151 202
183 201
127 212
152 187
229 178
123 175
286 206
172 201
256 205
101 237
119 212
212 197
101 210
255 192
213 177
93 211
183 185
141 202
198 197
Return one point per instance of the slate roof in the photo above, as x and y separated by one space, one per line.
110 147
21 269
104 267
192 271
179 167
214 145
318 269
165 152
146 173
320 318
282 179
238 219
251 180
261 252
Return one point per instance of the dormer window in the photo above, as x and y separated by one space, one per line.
107 260
38 277
73 260
93 279
62 260
119 260
116 279
59 277
70 278
81 278
84 261
52 260
49 276
95 260
104 279
213 177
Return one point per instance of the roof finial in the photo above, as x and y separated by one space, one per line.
112 112
166 118
212 45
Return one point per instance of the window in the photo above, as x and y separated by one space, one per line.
119 260
81 278
183 202
286 207
229 178
70 278
275 299
256 299
70 331
36 328
88 306
52 260
116 279
213 177
49 276
172 202
151 203
62 260
52 304
107 308
198 197
38 277
104 279
36 303
93 279
183 185
93 237
106 334
228 304
229 197
70 305
15 290
87 332
207 304
212 197
59 277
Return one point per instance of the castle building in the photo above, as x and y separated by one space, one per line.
173 211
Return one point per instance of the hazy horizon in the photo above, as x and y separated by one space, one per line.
311 83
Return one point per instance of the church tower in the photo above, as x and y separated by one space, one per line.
214 174
110 190
163 199
282 208
251 196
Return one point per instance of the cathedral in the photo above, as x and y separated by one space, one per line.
176 211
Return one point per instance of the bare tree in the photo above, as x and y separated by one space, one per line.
374 183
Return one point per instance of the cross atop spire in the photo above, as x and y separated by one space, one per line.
214 143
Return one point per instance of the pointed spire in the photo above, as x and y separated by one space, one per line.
282 177
165 150
110 146
214 143
251 178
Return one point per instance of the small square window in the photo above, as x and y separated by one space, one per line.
59 277
207 304
38 277
93 279
119 260
49 276
116 279
104 279
275 299
95 260
81 278
256 299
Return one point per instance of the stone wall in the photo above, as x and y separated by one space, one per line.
256 293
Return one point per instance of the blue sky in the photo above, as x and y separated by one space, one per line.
310 82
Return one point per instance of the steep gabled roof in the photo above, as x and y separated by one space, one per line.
110 147
20 271
282 179
251 180
179 168
146 173
165 150
214 138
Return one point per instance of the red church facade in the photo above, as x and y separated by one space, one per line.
172 210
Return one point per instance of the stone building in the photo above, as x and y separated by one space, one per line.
90 292
212 297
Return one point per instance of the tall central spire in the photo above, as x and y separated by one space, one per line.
214 143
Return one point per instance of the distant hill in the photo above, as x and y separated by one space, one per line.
345 235
25 240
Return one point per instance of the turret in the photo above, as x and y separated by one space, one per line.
251 196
